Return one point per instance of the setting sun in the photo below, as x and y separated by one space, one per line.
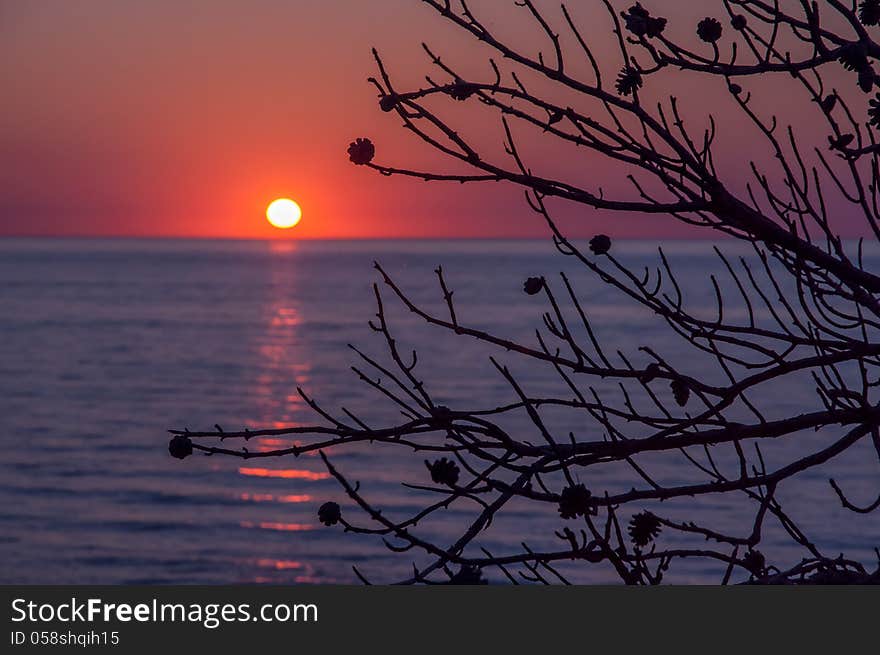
283 213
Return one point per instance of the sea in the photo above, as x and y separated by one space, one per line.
106 344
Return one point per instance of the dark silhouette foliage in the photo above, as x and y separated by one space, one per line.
809 305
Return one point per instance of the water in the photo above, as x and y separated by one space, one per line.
104 344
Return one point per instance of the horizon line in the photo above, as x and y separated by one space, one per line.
121 237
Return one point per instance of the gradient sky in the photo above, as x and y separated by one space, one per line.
185 118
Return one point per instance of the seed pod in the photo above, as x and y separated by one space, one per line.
644 528
329 513
709 30
443 471
600 244
180 447
361 151
680 391
533 285
575 501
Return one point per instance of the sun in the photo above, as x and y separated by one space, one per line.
283 213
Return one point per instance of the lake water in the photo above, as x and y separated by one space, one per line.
105 344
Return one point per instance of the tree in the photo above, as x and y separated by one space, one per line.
810 304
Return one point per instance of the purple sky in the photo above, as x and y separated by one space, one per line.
186 118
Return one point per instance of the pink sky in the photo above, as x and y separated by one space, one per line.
186 118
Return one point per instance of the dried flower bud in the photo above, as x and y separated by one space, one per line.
461 90
639 21
388 102
443 471
680 391
854 57
754 561
874 111
533 285
644 528
468 575
829 102
180 447
629 80
842 142
361 151
329 513
575 501
869 12
600 244
709 30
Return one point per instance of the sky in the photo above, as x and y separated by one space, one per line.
186 118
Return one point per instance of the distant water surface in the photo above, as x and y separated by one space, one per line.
104 344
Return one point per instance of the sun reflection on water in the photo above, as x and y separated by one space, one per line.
287 474
272 498
282 366
279 564
277 525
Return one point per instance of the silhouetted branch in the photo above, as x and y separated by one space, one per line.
810 308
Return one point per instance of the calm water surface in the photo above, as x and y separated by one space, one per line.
104 344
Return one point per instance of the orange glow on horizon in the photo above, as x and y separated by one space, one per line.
142 157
